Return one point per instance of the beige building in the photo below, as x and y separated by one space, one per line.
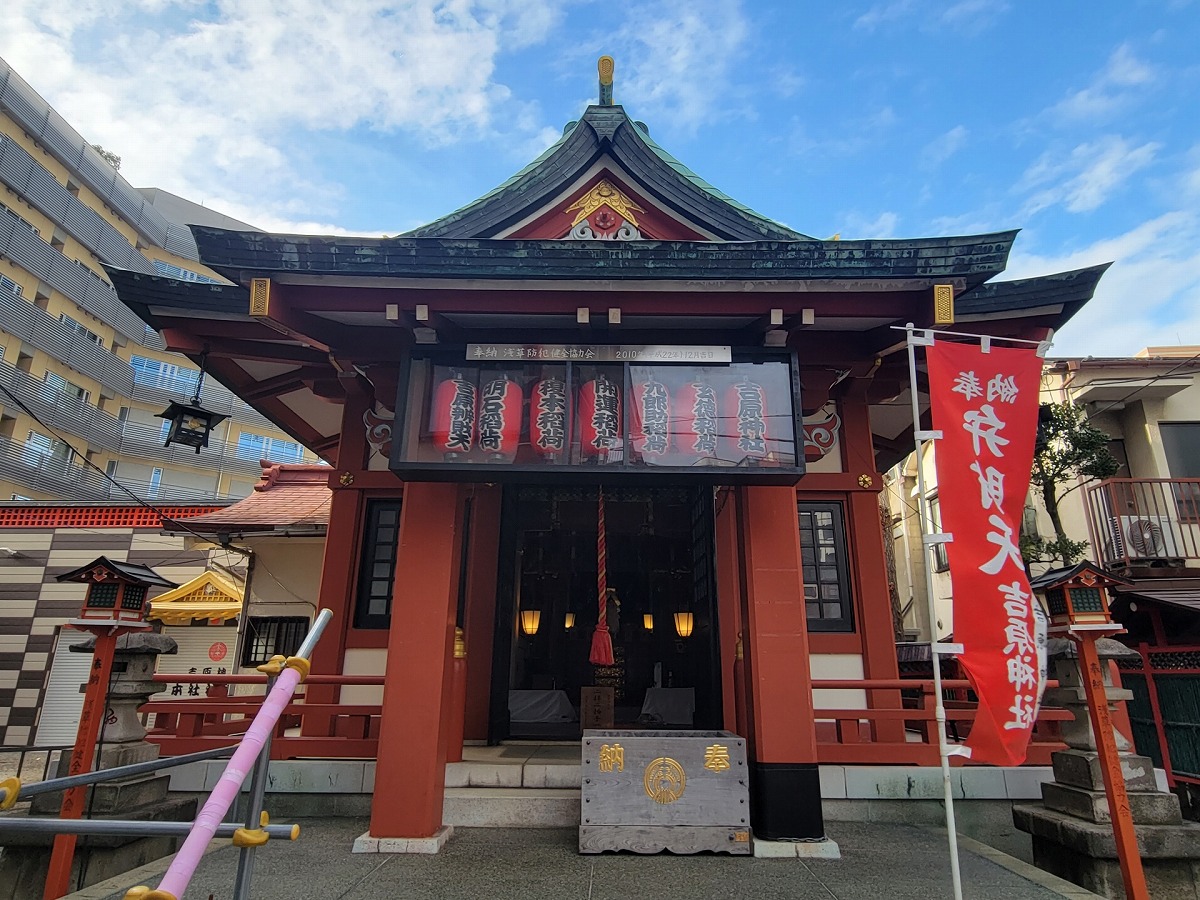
82 379
1144 522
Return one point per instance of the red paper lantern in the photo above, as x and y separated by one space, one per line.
697 422
500 418
599 417
746 421
651 419
548 417
452 417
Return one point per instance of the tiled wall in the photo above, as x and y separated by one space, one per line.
33 605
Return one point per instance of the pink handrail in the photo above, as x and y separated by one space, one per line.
183 866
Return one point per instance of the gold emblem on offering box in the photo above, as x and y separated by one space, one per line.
664 780
716 758
612 758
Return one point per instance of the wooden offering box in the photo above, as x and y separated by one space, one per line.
648 791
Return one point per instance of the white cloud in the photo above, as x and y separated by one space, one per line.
944 146
970 16
1150 296
1083 179
881 227
208 97
679 53
1111 90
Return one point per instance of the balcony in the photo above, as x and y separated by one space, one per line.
1146 526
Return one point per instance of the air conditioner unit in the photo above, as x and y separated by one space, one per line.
1145 537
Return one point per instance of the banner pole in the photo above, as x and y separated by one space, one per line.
920 438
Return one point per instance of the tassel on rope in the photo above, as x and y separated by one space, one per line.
602 650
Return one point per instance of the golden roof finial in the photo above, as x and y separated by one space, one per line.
605 66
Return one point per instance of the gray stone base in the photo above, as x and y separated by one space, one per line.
673 838
825 849
365 843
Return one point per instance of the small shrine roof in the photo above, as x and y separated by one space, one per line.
208 596
134 572
289 497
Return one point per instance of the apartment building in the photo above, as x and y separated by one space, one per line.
82 379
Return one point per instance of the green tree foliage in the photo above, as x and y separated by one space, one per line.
1068 448
109 157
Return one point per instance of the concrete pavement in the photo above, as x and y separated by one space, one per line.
896 862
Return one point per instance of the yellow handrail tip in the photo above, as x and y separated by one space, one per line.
144 893
12 790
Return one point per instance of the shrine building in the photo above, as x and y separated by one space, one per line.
605 336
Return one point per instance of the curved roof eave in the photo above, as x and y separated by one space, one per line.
601 130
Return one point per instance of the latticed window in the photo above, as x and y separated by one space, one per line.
377 569
103 596
133 597
268 636
824 559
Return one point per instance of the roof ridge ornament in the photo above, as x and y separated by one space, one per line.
605 66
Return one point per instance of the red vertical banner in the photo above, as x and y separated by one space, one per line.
986 406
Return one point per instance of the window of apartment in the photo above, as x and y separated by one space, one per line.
826 573
40 449
268 636
166 429
181 274
60 385
159 374
1181 443
19 218
111 468
82 330
8 286
257 446
154 484
377 568
940 561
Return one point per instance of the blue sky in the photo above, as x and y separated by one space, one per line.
1079 123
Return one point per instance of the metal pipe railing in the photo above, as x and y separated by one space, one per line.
153 765
127 827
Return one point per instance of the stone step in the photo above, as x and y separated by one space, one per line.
534 775
507 807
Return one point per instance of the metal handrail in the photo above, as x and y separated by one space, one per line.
53 785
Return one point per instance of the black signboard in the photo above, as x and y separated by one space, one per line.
465 416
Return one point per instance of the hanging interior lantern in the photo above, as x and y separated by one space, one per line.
530 620
453 417
684 623
499 430
648 621
191 423
599 417
697 406
651 419
746 414
548 418
569 621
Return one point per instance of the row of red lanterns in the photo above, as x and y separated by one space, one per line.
464 417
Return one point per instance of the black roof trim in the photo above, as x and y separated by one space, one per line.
974 258
1070 289
605 129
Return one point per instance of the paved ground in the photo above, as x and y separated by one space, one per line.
895 862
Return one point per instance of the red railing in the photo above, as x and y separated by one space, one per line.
899 729
1145 521
907 734
305 729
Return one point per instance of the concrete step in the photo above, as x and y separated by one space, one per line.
535 775
507 807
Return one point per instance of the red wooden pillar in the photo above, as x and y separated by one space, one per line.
410 774
785 786
867 555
